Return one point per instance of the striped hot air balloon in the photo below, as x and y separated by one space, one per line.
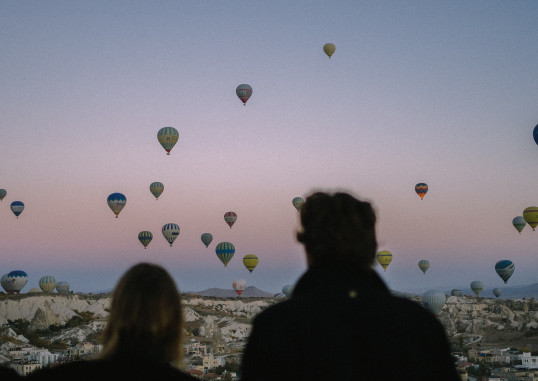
168 137
170 232
519 223
47 283
530 215
15 281
116 202
421 189
505 268
145 238
62 287
424 265
17 207
225 251
434 301
156 189
230 218
244 92
477 287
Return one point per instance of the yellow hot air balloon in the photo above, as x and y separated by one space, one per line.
384 258
530 215
250 261
329 49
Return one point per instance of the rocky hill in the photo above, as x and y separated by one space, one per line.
226 322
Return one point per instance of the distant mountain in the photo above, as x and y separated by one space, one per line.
250 292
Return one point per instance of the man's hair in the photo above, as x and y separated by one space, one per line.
338 229
146 316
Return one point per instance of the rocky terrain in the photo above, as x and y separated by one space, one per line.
225 322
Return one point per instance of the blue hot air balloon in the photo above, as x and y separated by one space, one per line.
206 239
17 207
225 251
535 134
16 280
170 232
505 268
519 223
116 202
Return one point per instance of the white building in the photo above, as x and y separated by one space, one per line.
529 361
42 356
209 361
82 349
25 368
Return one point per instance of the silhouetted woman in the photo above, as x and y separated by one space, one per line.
142 339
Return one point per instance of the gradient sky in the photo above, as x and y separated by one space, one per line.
421 91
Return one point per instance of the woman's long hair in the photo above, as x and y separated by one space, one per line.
146 317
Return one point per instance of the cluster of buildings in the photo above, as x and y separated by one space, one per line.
26 359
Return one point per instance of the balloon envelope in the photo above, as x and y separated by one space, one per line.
239 286
421 189
384 258
497 292
47 283
287 290
530 215
206 239
15 281
424 265
145 238
168 137
62 287
230 218
505 268
170 232
298 202
477 287
225 251
17 207
535 134
156 189
3 193
329 49
250 261
244 92
519 223
116 202
434 301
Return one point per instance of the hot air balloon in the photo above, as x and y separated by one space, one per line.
530 215
298 202
497 292
434 301
4 282
17 207
384 258
505 268
519 223
170 232
230 218
287 290
156 189
239 286
535 134
3 193
145 238
250 261
47 283
116 202
15 281
225 251
329 49
421 189
168 137
206 239
244 92
456 292
424 265
62 287
477 287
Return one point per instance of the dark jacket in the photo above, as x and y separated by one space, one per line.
340 324
8 374
112 370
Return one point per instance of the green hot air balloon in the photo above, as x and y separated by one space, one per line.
3 193
329 49
424 265
519 223
156 189
145 238
168 137
206 239
477 287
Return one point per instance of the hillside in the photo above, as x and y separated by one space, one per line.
226 321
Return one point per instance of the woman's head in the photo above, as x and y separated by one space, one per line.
145 316
338 230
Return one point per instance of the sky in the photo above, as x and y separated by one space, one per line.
439 92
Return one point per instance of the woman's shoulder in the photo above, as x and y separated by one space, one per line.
112 370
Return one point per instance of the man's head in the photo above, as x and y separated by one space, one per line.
338 230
